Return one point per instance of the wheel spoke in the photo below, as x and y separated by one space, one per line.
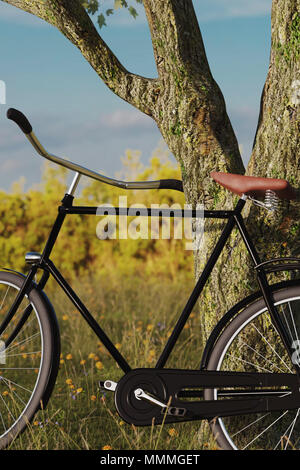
14 393
292 429
248 363
16 384
287 323
23 354
3 401
21 343
4 297
263 357
250 424
293 321
265 430
291 426
271 347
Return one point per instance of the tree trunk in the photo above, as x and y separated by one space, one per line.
275 154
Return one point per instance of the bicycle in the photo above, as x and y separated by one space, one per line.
247 384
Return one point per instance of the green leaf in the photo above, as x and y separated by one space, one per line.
110 11
91 6
101 21
133 12
120 4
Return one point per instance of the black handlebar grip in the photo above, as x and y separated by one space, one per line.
19 119
171 184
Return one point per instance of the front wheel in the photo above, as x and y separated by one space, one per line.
28 357
250 343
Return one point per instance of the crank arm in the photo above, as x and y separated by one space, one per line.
166 409
259 392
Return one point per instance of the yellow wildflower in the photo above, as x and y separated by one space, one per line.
69 381
69 357
79 390
107 447
172 432
99 365
65 317
93 397
82 362
91 355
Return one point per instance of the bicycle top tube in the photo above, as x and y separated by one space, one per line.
26 127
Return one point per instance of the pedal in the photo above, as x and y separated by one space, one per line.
108 385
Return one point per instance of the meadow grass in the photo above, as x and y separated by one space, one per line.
138 316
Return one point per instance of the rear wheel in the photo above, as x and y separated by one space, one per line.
28 357
251 344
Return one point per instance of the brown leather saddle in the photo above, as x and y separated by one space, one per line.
254 186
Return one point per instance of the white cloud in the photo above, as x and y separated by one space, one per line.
9 165
209 10
124 119
12 14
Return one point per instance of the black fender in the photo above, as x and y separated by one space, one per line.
55 336
233 312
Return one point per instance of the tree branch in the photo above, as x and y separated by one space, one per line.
35 7
73 21
176 38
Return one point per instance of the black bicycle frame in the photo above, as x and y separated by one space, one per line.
234 219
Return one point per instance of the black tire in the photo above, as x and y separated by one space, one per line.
250 343
24 390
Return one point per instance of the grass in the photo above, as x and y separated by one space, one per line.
138 317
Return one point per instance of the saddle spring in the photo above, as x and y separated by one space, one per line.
271 202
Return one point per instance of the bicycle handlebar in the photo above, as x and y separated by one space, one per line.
19 119
26 127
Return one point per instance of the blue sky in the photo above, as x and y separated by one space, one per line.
76 116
